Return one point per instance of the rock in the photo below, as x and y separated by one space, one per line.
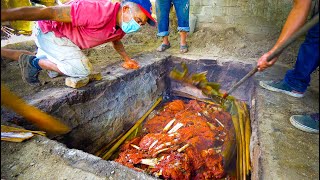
76 82
95 76
242 45
80 82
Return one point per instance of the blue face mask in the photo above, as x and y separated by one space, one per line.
131 26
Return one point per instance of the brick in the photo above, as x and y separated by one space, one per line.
76 82
220 19
206 2
204 19
215 11
195 3
224 19
95 76
208 11
195 9
225 3
232 11
245 20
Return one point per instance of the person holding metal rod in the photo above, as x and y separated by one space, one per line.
297 80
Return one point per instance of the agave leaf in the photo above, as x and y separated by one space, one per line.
175 74
199 77
214 85
199 80
179 75
185 68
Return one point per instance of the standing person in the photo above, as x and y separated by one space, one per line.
182 12
63 31
297 80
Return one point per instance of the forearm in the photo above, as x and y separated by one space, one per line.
23 13
118 46
56 13
296 18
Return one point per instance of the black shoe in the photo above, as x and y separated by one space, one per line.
307 123
28 72
281 86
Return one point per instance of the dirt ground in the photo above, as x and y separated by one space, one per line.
204 41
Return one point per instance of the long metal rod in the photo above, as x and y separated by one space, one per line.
278 51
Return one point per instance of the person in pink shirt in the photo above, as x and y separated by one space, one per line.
61 32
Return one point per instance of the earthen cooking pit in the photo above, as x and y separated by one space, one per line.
101 111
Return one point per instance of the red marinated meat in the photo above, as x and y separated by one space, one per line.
200 134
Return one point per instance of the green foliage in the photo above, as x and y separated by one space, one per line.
210 89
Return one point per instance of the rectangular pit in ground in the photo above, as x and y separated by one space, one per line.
100 111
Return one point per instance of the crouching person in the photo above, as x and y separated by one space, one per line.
61 32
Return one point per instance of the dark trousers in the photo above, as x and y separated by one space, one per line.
307 61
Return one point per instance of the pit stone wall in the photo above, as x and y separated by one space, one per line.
226 73
100 111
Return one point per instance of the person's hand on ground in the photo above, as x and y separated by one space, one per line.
221 91
263 63
30 53
131 64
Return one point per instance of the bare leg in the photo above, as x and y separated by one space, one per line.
165 44
15 54
48 65
183 42
165 40
183 38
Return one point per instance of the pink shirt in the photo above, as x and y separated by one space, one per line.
93 23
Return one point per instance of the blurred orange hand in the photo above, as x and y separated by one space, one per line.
222 91
131 64
263 63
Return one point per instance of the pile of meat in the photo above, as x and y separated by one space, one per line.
183 140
